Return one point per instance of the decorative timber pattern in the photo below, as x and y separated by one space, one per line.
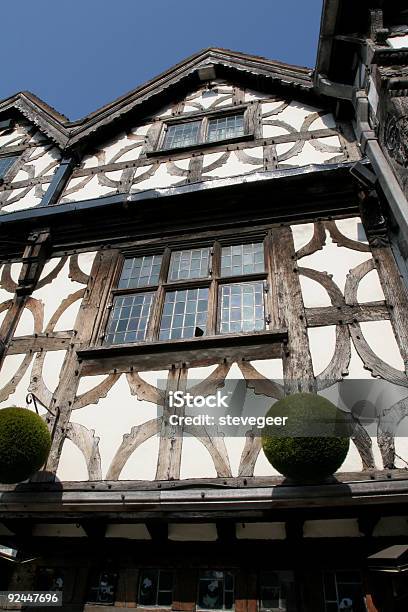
280 133
35 162
112 421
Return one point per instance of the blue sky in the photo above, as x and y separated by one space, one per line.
81 54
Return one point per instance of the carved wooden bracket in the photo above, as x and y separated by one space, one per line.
396 138
374 222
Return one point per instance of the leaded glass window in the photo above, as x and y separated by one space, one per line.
277 591
49 579
182 135
242 259
216 590
165 296
129 318
184 314
242 307
222 128
102 587
155 588
140 272
6 163
189 264
343 591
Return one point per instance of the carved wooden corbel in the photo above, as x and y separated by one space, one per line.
374 221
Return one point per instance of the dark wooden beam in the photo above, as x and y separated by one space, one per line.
94 528
158 530
226 531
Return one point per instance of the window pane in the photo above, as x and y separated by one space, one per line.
242 307
166 581
343 590
49 579
350 597
148 587
211 591
129 318
103 587
185 310
216 590
189 264
182 135
242 259
6 163
140 272
277 591
225 127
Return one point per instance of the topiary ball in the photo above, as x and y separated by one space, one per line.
24 444
314 442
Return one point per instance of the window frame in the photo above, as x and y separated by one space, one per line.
9 173
213 282
337 582
156 605
97 572
204 117
234 581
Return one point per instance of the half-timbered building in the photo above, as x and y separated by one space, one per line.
234 218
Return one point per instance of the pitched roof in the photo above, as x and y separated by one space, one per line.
67 133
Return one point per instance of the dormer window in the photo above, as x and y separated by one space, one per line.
182 135
210 128
222 128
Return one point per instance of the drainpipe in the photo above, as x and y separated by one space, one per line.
371 148
58 181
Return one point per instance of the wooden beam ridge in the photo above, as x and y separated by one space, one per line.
206 502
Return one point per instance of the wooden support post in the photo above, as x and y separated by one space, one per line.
64 395
171 436
396 295
297 361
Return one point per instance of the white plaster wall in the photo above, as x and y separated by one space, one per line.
332 528
27 199
233 166
92 189
389 526
128 531
308 154
334 260
111 418
196 461
187 532
52 294
398 42
8 370
260 531
296 113
160 179
43 160
72 465
17 136
17 397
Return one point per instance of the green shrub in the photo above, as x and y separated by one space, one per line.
313 444
24 444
